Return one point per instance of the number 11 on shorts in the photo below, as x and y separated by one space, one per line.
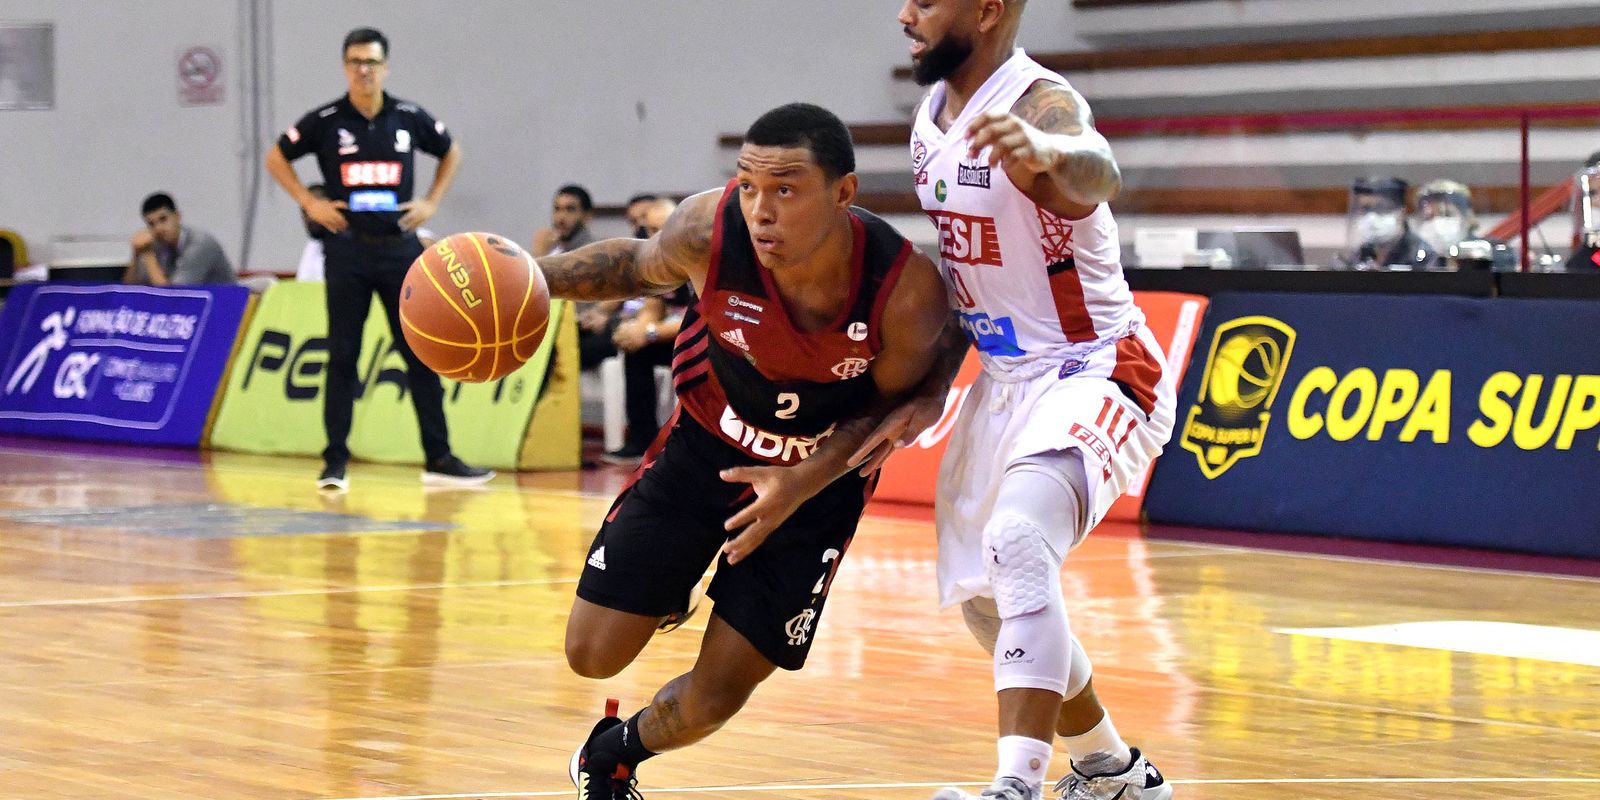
1110 426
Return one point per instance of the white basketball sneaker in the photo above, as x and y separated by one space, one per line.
1139 781
1007 788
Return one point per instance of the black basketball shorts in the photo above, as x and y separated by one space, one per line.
665 529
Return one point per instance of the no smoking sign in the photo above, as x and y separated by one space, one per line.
199 77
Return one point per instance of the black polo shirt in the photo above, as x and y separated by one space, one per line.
369 164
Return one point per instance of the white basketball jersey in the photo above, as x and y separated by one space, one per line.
1030 286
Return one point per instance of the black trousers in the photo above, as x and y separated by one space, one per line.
639 384
356 269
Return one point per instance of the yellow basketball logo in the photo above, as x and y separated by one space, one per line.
1244 369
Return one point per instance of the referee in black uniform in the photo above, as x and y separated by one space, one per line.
365 143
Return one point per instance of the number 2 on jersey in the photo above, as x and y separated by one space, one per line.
788 405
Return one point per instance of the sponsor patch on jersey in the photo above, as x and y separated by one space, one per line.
996 336
402 141
788 449
1071 367
941 191
745 318
922 177
739 302
857 332
373 200
293 134
919 153
1095 444
347 143
973 176
370 173
965 239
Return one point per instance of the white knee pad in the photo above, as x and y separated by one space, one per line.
1022 569
1038 503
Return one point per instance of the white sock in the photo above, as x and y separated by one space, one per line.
1023 757
1102 740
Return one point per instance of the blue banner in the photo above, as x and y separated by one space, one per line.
115 363
1456 421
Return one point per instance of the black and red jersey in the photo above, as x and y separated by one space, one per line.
742 369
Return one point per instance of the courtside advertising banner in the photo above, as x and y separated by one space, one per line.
1441 420
116 363
273 402
910 475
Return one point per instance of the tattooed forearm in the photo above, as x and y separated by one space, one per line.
1086 172
618 269
607 270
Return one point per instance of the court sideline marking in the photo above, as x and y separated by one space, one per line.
927 785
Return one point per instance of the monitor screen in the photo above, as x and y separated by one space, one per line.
1256 248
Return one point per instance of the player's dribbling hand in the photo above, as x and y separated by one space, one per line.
325 212
417 212
1011 141
779 491
899 429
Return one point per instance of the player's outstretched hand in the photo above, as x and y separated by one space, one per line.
1012 141
779 491
899 429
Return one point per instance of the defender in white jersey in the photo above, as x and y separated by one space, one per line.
1072 402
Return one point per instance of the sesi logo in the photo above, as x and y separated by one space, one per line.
966 239
370 173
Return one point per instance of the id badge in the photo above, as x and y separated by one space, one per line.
373 200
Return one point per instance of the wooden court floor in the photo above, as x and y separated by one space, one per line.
179 627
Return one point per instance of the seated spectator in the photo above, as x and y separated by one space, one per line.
639 207
1379 235
167 252
1444 218
645 341
570 215
311 258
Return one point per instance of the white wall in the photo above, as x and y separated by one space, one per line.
117 132
620 95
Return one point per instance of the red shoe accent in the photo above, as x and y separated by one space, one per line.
612 705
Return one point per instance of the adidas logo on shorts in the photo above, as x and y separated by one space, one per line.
597 559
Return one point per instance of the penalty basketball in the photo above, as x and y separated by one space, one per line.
474 307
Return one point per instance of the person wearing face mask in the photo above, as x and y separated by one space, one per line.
1379 235
1444 217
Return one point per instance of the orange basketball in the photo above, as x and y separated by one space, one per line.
474 307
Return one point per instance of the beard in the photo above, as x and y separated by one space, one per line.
941 60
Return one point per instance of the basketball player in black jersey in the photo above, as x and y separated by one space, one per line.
814 319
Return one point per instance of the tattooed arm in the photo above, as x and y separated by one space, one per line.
617 269
1048 139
